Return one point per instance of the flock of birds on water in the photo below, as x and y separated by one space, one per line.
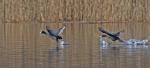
55 35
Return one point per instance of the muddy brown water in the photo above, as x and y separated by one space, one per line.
22 46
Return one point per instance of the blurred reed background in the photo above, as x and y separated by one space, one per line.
27 11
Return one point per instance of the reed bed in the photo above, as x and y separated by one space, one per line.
19 11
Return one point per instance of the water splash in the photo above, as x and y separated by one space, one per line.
103 42
134 43
62 44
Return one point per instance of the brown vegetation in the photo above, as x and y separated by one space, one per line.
19 11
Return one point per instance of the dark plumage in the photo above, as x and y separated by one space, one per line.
113 36
53 34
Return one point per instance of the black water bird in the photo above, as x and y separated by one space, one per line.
113 36
53 34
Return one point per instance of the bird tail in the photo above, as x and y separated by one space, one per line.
121 40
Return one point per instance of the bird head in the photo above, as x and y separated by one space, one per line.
43 32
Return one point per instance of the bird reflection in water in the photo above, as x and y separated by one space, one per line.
56 58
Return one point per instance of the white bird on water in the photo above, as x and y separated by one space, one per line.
53 34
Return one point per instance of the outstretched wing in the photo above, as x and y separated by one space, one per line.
51 32
103 31
61 30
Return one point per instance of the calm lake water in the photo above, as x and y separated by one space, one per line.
22 46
